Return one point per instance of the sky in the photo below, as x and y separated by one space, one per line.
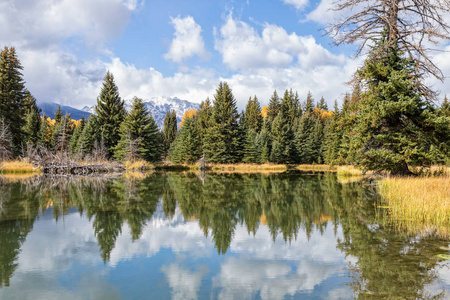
181 48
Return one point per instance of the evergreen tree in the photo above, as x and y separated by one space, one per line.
75 140
252 116
264 143
58 115
90 135
32 119
250 148
111 112
309 103
274 107
282 141
322 104
12 96
445 107
396 126
186 147
139 127
204 119
332 137
170 129
304 137
45 132
222 140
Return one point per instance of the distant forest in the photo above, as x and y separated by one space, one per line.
401 130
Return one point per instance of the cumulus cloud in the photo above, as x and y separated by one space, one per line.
243 48
187 41
38 24
298 4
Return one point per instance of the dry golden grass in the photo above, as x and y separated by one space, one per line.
18 166
418 204
348 171
324 168
17 177
138 164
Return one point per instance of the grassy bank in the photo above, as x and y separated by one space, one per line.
18 167
418 204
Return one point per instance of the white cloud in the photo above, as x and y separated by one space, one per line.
298 4
38 24
187 41
184 283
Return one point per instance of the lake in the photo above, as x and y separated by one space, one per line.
213 236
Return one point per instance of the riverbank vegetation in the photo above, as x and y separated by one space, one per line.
418 205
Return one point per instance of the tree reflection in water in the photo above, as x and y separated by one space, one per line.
387 263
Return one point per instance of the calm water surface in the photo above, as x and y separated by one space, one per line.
180 236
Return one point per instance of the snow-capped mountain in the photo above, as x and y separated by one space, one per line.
158 107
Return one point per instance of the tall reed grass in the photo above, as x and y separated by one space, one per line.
18 167
418 204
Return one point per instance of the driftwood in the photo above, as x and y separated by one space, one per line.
74 169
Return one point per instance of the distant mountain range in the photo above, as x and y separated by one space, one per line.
157 106
50 108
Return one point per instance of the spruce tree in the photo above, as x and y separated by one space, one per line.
204 120
6 141
396 125
75 140
282 141
170 129
222 140
32 119
111 112
186 147
304 137
90 135
274 107
252 116
12 96
140 127
45 132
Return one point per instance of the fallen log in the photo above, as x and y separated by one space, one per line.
73 169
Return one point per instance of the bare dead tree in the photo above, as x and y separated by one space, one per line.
411 25
6 145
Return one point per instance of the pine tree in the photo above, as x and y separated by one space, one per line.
139 127
332 138
45 132
252 116
309 104
204 119
58 115
274 107
264 143
186 147
396 126
111 112
282 141
75 140
322 104
90 135
32 119
222 140
304 137
251 154
12 96
170 129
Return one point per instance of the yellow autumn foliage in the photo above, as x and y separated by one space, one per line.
188 114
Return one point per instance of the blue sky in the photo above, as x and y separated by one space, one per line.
178 48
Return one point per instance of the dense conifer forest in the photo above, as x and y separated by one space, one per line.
384 123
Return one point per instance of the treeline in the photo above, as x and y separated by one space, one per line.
385 123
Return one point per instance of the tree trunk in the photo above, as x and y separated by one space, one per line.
401 169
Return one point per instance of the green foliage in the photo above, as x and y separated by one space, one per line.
89 135
111 112
139 134
283 150
222 141
252 117
186 147
75 140
396 126
170 129
12 96
32 119
274 107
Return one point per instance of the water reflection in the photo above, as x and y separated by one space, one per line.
274 236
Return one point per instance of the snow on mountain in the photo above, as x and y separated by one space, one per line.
158 107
